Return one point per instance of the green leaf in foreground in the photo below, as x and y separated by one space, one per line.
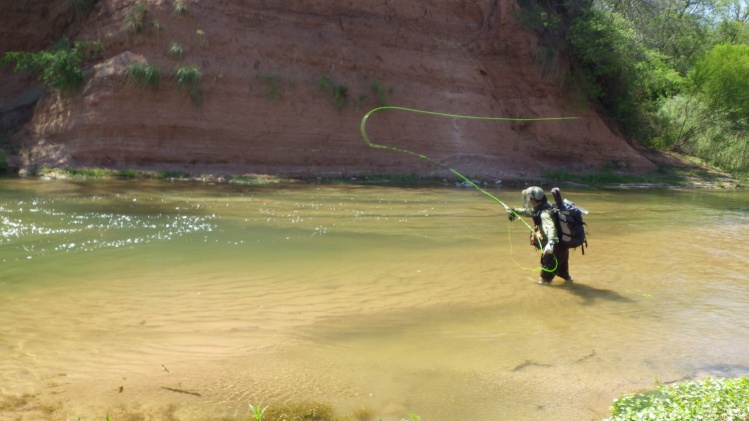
709 399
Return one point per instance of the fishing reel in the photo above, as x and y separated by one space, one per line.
534 237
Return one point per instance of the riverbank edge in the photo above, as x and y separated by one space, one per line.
688 177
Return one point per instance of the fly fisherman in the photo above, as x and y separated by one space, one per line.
555 257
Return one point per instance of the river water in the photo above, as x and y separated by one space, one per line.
159 300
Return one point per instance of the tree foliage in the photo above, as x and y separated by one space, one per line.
678 122
732 24
675 28
722 77
669 73
620 69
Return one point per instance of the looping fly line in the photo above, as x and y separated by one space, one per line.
440 164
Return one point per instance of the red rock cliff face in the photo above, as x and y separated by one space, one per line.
269 69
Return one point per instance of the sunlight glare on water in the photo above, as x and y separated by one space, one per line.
159 299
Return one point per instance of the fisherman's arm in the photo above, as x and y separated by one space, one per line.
514 212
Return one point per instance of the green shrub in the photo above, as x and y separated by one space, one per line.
677 121
126 173
146 75
711 120
168 174
723 147
686 124
710 399
58 69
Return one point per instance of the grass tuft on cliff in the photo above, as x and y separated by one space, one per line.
176 50
146 75
135 21
339 92
188 78
180 7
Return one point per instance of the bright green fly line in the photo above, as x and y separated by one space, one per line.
457 174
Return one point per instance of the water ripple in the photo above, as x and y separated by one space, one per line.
50 230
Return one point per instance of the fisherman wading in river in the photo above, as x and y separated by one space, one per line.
555 257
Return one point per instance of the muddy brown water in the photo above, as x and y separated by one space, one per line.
158 300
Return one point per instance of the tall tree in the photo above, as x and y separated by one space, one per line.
731 21
675 28
722 77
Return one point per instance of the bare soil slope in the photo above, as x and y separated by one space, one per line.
285 85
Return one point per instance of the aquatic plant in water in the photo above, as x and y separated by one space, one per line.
709 399
411 417
257 411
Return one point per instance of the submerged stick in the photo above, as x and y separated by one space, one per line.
186 392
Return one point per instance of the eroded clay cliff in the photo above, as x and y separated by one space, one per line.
268 102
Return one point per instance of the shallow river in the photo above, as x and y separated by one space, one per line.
158 300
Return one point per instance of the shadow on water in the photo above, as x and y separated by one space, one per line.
590 294
720 370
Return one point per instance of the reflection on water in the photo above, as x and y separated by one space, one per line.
161 299
39 228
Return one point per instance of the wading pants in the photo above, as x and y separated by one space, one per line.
562 263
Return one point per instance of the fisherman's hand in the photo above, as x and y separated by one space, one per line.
549 248
511 216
